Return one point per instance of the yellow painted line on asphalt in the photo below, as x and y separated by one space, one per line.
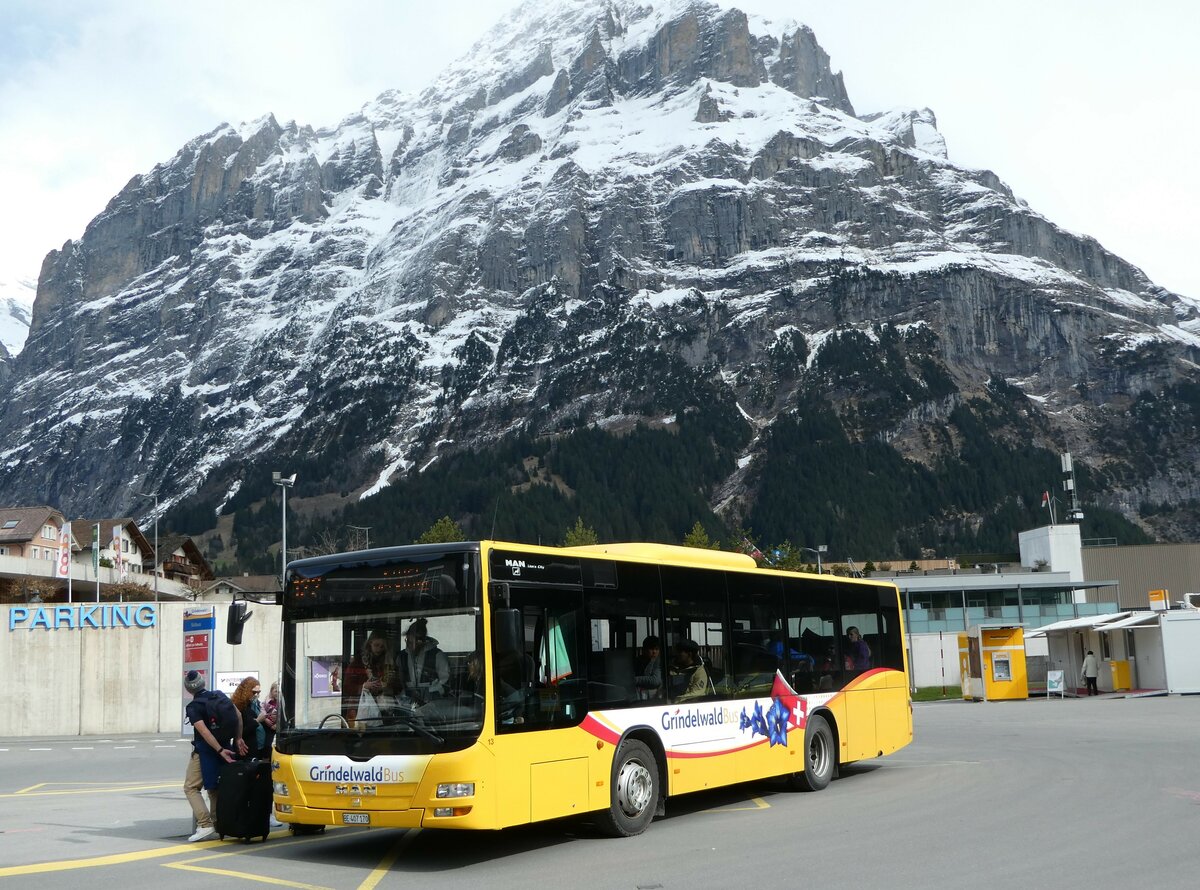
32 790
759 804
248 876
97 861
385 864
38 868
190 865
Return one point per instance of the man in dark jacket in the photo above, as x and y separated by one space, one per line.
205 762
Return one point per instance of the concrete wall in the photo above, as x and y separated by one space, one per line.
933 660
1058 546
1181 645
89 680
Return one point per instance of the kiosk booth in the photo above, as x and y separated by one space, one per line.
992 663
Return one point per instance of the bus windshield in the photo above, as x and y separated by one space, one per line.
381 655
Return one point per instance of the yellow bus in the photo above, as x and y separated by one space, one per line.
483 685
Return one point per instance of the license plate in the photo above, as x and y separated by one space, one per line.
356 818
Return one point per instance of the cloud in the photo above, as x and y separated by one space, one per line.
1083 106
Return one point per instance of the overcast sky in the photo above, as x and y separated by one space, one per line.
1087 108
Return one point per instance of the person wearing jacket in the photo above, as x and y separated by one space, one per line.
1091 668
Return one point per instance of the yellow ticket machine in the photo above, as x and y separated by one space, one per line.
992 659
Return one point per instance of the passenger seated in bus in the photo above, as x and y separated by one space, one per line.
689 679
472 683
648 669
858 653
512 676
423 667
799 660
828 669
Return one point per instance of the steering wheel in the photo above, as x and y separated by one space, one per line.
337 717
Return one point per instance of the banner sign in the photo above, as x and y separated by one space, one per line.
198 627
62 566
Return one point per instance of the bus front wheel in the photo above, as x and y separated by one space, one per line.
634 791
298 828
820 756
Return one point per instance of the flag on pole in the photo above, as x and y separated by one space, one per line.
1045 500
62 568
118 563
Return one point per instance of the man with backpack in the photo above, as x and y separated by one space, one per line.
216 728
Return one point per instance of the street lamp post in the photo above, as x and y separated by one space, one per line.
284 483
821 548
153 565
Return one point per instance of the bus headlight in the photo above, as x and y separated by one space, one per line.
280 788
456 789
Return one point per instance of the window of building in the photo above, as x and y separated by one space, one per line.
37 552
11 523
49 531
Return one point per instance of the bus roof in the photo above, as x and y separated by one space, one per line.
670 553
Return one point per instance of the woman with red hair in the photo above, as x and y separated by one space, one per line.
254 730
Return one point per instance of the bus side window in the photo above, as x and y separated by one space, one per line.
810 607
624 612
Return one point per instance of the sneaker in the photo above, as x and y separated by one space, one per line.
202 834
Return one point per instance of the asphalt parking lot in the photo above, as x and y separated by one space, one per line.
1077 793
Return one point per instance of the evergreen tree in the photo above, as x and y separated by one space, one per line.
443 531
698 538
580 535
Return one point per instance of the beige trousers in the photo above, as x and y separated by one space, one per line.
193 782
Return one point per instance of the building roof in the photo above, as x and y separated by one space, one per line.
1137 619
169 544
29 522
249 585
106 533
1082 623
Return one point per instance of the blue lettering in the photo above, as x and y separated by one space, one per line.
82 616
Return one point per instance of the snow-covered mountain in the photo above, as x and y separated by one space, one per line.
16 307
606 213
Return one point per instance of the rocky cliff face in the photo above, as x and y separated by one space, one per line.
607 212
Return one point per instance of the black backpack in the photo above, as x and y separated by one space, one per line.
221 717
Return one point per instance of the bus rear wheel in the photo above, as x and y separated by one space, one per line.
633 791
819 757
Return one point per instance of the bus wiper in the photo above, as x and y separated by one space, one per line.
405 718
410 718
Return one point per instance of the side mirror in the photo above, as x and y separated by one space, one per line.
238 616
508 632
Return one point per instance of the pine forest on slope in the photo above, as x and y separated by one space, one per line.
637 264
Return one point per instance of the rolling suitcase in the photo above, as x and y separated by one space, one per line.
244 800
